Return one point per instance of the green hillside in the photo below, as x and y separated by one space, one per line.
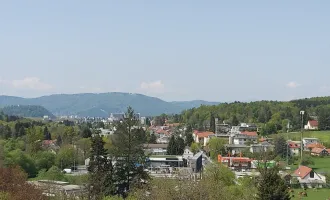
27 111
271 116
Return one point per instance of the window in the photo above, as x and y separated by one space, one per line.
311 174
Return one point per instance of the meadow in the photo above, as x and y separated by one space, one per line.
312 194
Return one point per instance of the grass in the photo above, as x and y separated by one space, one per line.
313 194
321 164
324 136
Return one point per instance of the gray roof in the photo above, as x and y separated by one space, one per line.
236 146
155 146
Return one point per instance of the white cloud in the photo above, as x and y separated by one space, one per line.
153 87
293 84
28 83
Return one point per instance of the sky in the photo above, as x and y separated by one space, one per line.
175 50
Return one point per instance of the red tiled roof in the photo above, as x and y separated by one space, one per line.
293 145
203 134
249 133
161 131
302 171
315 145
313 123
317 150
48 142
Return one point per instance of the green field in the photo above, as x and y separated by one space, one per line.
324 136
313 194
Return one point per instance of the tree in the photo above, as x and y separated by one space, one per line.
323 113
34 136
84 144
180 146
65 157
13 183
59 140
86 132
100 169
194 148
148 123
217 146
153 139
171 147
54 173
21 132
189 139
47 135
212 123
5 132
235 121
68 135
271 186
127 142
44 160
280 147
19 158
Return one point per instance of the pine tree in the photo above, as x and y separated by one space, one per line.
47 135
180 146
171 147
153 139
100 170
235 121
21 131
189 139
280 147
271 186
59 140
128 151
212 123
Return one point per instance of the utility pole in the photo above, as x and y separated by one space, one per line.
301 134
287 144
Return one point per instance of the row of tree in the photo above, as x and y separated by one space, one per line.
271 116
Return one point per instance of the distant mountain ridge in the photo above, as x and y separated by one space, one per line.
102 104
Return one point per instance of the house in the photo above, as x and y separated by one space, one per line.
163 140
312 125
307 141
294 148
187 154
243 139
155 149
307 176
235 162
311 146
236 149
319 152
202 137
116 117
261 147
50 145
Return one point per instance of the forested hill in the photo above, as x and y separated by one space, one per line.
272 116
27 111
102 104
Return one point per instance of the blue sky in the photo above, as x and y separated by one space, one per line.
174 50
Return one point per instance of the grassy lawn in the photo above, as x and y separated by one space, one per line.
313 194
322 135
321 165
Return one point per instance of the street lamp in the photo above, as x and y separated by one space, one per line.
301 134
